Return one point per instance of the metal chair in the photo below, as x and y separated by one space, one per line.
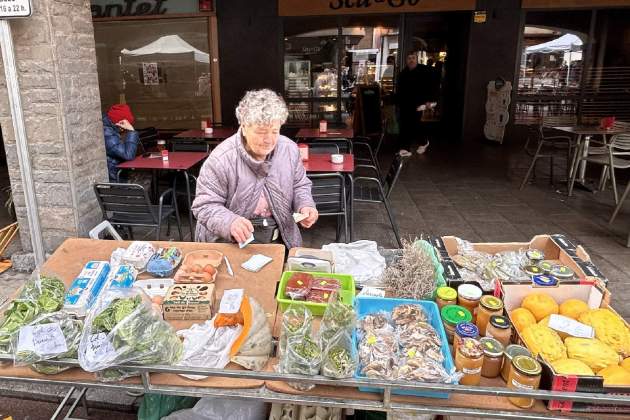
367 144
372 190
344 145
329 194
148 138
189 146
607 156
322 148
128 205
548 144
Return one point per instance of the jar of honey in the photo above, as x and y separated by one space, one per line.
469 360
492 357
445 296
451 316
509 353
488 306
500 329
464 330
525 375
468 296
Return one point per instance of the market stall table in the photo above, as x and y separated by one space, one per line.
322 163
333 133
177 161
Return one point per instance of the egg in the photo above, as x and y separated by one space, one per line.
197 268
209 269
207 277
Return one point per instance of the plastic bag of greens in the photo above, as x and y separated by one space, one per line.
304 357
51 336
340 359
337 317
40 294
123 327
297 320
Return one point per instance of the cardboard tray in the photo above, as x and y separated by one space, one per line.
202 258
557 248
595 294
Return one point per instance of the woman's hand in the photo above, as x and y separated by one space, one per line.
241 229
125 125
311 216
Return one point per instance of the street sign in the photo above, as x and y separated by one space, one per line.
15 9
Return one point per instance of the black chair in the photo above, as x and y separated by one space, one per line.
189 146
329 194
344 145
322 148
128 205
367 149
148 139
373 190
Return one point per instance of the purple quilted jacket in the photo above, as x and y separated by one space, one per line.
231 181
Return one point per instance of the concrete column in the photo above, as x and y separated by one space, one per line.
60 96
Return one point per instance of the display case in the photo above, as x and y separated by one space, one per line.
297 78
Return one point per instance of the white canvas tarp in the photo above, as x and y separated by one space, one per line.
169 44
567 42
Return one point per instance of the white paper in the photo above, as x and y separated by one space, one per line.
247 241
231 301
256 263
570 326
100 348
372 291
298 217
44 339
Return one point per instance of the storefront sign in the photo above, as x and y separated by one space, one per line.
572 4
479 17
118 8
334 7
15 9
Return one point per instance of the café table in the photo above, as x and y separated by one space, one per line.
582 134
333 133
218 134
322 163
177 161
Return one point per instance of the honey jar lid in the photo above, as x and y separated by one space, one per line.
491 302
454 314
545 280
545 266
526 365
532 270
514 350
535 255
467 329
499 321
446 293
469 292
491 347
562 272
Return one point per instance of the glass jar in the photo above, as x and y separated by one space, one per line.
525 375
464 330
500 329
562 272
445 296
468 296
451 316
509 353
469 360
545 266
492 357
488 306
535 256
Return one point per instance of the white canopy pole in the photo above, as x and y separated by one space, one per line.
15 102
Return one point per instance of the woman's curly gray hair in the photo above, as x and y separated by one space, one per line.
261 107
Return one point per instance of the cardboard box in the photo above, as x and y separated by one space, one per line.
311 260
557 248
189 301
595 294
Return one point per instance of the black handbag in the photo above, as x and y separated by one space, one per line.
266 230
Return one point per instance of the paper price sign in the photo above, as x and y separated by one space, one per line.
15 9
570 326
100 348
45 339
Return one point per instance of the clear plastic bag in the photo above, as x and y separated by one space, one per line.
297 320
40 294
418 368
254 353
378 355
51 336
420 338
338 317
123 327
304 357
408 313
376 323
340 359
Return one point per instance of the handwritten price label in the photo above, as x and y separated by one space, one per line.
99 348
45 339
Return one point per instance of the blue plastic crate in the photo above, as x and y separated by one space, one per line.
367 305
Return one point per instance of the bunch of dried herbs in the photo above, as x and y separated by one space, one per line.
412 276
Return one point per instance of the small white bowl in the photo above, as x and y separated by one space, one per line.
208 130
336 158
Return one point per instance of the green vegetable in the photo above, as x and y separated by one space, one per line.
307 349
337 317
338 363
41 294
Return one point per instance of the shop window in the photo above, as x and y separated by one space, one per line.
161 68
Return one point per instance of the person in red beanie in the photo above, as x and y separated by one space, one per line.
121 139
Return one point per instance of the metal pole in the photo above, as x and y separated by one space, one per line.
15 101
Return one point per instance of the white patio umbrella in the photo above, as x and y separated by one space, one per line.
169 44
567 42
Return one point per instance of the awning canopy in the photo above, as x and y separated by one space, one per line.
567 42
169 44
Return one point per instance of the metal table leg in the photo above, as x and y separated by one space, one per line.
351 207
190 214
582 169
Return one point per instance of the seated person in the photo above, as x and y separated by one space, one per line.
121 140
255 173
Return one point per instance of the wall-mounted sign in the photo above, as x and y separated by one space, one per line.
480 17
341 7
118 8
572 4
15 9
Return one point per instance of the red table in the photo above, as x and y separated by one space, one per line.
177 161
333 133
219 133
321 163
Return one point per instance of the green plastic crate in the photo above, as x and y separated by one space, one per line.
346 293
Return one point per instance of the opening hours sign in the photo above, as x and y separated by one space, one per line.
15 9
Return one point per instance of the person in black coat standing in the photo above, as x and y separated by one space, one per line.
412 97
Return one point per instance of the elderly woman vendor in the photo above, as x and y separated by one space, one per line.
255 173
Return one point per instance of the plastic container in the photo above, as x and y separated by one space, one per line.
365 305
468 296
346 293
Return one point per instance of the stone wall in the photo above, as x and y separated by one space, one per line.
60 97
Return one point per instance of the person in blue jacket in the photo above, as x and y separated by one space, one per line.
121 139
